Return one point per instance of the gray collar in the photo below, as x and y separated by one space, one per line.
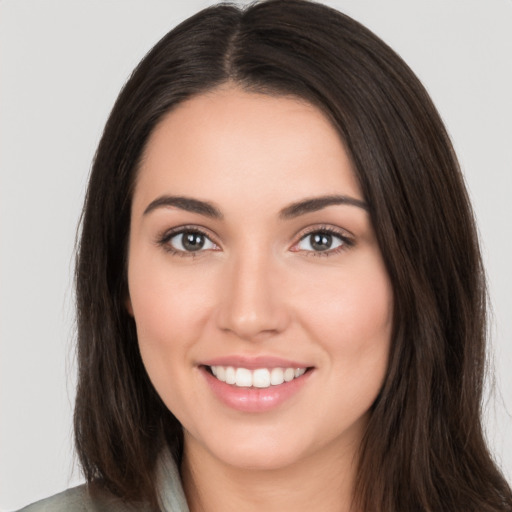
170 491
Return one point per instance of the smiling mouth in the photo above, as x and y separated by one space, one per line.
258 378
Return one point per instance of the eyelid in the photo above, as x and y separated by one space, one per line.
163 238
346 237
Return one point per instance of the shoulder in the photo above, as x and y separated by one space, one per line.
83 499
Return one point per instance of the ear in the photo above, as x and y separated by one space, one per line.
128 305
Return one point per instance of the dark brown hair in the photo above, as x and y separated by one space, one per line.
423 449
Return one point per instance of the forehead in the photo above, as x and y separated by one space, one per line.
229 144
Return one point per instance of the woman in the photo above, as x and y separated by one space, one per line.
279 289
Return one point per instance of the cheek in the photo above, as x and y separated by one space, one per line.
351 317
358 294
353 324
170 312
167 304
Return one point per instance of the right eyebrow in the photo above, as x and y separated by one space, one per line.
185 203
314 204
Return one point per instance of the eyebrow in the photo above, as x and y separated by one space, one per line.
185 203
289 212
318 203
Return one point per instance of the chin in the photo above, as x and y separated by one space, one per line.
257 459
258 450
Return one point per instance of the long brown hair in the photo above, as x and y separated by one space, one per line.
423 449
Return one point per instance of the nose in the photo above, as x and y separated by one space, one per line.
252 305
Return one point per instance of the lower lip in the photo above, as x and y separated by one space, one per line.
254 399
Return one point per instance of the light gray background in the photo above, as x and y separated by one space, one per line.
62 63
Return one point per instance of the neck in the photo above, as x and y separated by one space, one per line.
320 482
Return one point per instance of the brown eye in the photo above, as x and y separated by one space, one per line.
320 241
190 241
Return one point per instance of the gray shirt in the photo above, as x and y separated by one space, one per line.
92 499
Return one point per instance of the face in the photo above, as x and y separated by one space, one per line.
262 305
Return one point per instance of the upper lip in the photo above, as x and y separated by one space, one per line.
254 362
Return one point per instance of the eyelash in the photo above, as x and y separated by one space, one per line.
346 241
164 239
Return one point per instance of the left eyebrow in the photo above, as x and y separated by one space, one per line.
318 203
185 203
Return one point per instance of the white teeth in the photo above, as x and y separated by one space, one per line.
230 375
220 373
289 374
260 378
243 378
276 376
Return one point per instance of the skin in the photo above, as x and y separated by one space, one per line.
259 289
